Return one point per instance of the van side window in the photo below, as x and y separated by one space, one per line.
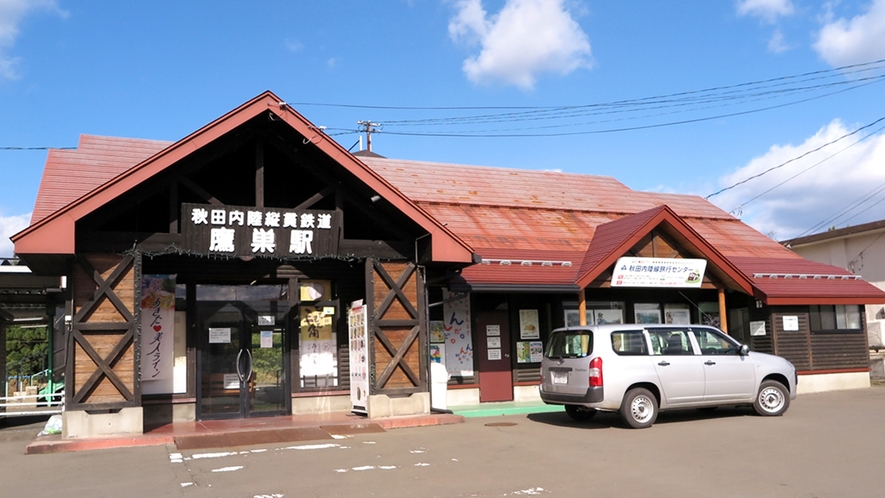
629 342
712 342
670 342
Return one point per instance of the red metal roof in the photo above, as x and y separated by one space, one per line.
539 217
787 281
71 174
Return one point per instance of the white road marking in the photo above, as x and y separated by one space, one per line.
530 491
228 469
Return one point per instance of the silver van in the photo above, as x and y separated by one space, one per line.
638 370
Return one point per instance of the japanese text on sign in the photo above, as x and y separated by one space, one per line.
234 230
658 272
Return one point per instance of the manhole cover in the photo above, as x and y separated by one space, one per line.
500 424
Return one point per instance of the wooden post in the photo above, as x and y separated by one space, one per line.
582 308
723 312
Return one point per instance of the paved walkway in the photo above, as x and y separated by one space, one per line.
244 432
283 429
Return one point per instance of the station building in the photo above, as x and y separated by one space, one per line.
257 268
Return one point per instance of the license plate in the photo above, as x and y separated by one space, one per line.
560 377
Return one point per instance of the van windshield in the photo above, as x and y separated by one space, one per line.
570 344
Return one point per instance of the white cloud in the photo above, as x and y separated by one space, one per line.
767 10
862 39
525 39
819 195
776 43
9 226
11 14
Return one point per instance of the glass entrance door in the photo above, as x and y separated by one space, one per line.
243 361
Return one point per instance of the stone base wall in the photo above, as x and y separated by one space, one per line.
79 424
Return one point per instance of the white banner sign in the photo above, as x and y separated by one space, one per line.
658 272
358 334
459 343
157 326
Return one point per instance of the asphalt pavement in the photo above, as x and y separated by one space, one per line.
826 445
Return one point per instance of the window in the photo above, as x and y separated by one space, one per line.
670 342
629 342
835 318
712 342
570 345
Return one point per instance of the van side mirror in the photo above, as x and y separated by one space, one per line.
744 349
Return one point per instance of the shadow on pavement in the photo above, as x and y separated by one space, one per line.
604 420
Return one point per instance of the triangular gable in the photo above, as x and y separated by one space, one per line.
612 240
55 233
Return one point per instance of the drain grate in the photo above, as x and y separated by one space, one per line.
500 424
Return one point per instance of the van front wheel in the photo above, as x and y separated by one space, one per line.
639 408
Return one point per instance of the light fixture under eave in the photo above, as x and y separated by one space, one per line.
375 198
526 263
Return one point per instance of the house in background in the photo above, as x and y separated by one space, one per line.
257 268
859 249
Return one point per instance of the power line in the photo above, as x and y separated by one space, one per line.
769 170
37 148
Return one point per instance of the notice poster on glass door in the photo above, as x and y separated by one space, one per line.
358 335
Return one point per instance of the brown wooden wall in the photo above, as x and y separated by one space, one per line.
101 365
394 293
821 351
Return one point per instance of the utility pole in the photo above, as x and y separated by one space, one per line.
369 127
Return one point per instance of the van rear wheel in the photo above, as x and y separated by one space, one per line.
639 408
579 413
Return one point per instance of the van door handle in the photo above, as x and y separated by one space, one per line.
709 362
664 363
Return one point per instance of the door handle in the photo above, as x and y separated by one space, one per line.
239 365
664 363
249 370
709 362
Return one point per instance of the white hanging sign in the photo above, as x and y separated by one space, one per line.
658 272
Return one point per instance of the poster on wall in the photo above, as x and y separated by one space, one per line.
437 332
573 318
157 326
528 324
529 351
711 319
437 352
456 326
608 316
647 316
316 345
358 337
677 316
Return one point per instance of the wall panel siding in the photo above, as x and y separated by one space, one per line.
104 322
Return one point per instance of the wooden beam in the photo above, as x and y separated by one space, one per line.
723 312
582 308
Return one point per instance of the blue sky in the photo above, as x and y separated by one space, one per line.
623 89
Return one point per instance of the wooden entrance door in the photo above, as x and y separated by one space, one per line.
493 346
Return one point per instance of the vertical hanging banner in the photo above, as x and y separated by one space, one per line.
317 344
456 326
358 334
157 326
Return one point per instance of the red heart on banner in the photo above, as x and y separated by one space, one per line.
158 327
